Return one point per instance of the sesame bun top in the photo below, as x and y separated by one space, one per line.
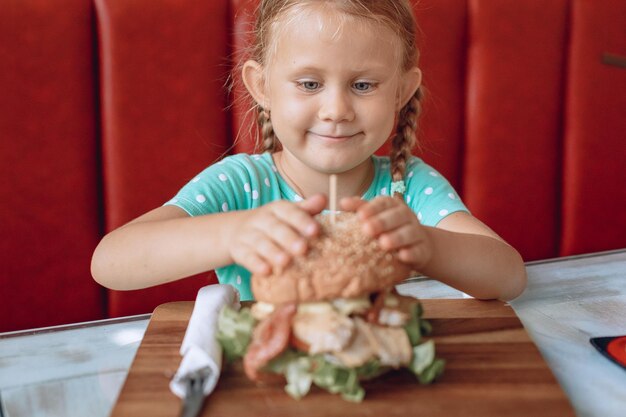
342 262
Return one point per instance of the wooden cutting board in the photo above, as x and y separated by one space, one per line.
492 369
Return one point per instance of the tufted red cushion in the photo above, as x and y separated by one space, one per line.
105 113
515 76
48 164
594 194
163 66
443 41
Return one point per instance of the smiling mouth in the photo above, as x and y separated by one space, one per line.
333 137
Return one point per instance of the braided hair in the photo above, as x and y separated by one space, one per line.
404 140
269 141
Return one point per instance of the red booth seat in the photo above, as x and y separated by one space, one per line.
108 107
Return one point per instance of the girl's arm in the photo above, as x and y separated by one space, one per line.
469 256
166 244
160 246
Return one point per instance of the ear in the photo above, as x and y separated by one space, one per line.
410 82
254 80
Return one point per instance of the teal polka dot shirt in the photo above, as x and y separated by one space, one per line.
243 182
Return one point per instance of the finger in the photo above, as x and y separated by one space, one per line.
247 257
283 234
401 237
388 220
314 204
376 206
297 217
264 247
417 256
351 203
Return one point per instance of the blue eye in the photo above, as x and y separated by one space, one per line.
363 86
309 85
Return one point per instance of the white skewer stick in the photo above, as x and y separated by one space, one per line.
333 197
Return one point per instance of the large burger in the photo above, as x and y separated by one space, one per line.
331 318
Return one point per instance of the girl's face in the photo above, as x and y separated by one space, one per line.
333 87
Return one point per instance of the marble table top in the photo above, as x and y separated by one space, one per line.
78 370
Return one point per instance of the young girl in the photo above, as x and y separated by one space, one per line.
332 82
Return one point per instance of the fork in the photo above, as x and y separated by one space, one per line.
194 397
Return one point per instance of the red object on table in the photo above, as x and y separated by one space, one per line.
617 349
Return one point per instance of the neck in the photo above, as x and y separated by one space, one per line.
307 182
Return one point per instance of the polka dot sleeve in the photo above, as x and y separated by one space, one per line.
429 194
224 186
238 182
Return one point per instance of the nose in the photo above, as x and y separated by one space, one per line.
336 106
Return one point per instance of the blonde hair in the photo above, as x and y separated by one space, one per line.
396 15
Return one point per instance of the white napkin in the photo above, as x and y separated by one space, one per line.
200 349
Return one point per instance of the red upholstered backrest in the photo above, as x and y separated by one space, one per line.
49 187
442 41
163 66
106 112
245 129
514 96
594 181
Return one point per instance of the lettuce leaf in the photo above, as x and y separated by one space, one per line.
278 365
423 355
337 379
299 378
234 331
432 371
424 364
301 371
370 369
412 327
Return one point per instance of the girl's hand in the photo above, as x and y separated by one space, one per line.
273 233
396 227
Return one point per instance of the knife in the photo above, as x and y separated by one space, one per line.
194 394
